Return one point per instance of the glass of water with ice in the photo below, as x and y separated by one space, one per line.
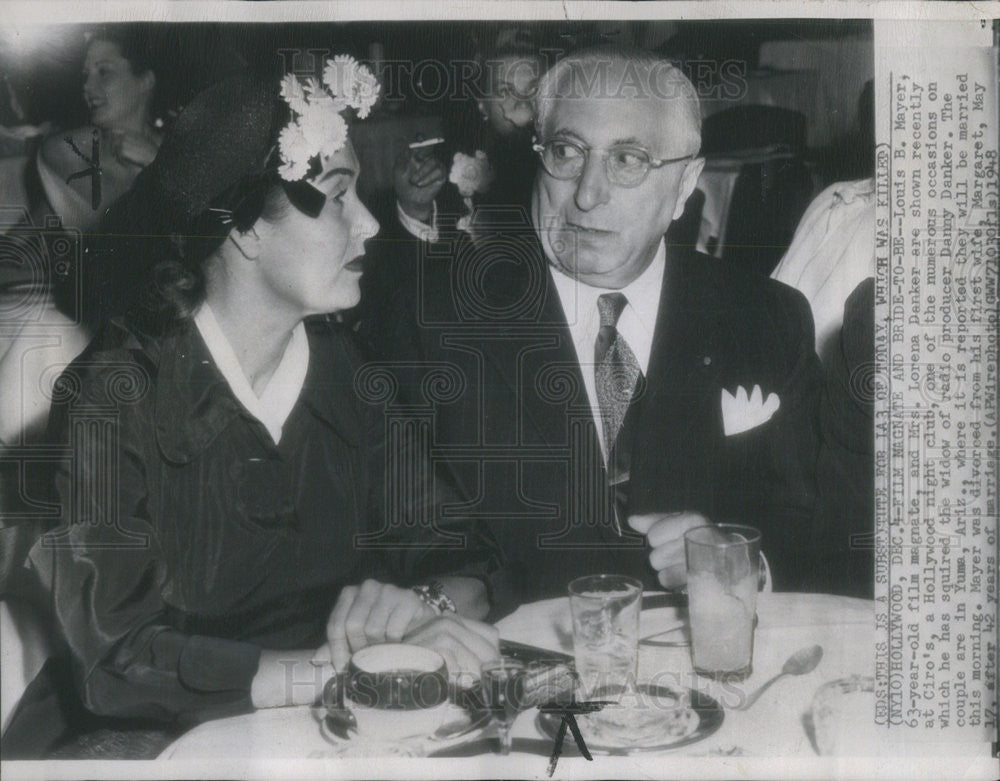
723 572
605 611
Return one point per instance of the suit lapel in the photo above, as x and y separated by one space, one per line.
535 355
681 407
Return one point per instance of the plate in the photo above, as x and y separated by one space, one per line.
708 711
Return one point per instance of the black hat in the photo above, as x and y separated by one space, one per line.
224 137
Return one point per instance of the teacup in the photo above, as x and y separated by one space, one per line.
390 691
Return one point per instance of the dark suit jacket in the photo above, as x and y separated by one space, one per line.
479 340
844 529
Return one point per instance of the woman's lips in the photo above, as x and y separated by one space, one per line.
356 264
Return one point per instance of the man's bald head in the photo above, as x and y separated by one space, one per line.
613 73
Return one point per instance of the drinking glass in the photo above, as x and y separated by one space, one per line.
503 691
723 570
605 611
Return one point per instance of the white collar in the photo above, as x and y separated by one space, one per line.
275 404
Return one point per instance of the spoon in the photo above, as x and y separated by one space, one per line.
801 662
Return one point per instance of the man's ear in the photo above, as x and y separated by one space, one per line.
689 180
247 243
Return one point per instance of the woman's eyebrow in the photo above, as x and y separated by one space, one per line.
348 172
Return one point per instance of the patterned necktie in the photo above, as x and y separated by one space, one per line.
615 368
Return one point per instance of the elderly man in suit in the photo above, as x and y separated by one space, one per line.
606 392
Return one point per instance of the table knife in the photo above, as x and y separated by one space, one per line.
532 653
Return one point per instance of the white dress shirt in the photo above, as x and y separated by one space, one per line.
275 404
636 323
415 227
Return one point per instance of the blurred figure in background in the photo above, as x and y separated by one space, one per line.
486 153
119 87
481 174
832 252
831 261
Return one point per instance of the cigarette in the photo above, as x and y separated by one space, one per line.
427 143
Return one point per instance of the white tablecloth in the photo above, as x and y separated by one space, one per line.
772 728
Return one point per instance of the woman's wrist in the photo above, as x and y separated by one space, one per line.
288 678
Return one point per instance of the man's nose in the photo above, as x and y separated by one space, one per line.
593 188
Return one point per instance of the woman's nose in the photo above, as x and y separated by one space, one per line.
365 224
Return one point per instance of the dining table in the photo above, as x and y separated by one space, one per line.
772 738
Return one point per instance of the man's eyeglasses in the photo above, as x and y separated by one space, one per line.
626 166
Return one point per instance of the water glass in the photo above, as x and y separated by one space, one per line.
723 570
502 682
605 611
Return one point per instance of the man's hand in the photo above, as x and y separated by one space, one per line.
665 532
372 613
418 178
465 644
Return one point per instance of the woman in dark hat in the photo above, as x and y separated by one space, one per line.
222 465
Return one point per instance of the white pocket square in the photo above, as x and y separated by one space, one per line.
741 412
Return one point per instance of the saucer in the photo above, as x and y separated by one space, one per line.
455 725
706 716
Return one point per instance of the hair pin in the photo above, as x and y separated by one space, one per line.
225 215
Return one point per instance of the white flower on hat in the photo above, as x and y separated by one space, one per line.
320 96
295 152
471 174
325 131
292 92
351 81
318 127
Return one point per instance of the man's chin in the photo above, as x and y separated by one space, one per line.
576 266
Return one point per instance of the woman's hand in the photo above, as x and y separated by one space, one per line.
465 644
371 613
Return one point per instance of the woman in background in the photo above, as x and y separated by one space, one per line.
119 88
